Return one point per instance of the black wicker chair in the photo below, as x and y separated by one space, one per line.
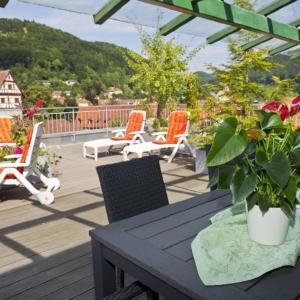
131 188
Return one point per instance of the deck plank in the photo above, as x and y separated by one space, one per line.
45 251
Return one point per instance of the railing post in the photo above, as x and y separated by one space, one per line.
73 117
106 118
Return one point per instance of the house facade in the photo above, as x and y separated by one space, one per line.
10 94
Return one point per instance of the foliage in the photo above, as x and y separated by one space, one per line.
22 124
192 98
52 159
116 122
162 74
94 65
283 88
266 166
5 151
158 124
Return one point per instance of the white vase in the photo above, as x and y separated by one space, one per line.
268 229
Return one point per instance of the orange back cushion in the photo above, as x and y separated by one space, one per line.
6 130
135 122
177 125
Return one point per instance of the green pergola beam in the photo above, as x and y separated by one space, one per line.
108 10
229 14
3 3
176 23
267 10
281 48
264 39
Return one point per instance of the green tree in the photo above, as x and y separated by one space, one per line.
192 97
162 74
283 88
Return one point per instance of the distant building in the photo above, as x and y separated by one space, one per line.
46 83
83 102
70 82
59 97
114 91
10 94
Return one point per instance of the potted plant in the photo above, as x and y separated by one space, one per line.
265 174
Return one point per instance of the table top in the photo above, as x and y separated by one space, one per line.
160 243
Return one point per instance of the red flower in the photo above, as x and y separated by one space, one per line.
284 112
30 113
273 106
18 150
280 108
295 106
39 103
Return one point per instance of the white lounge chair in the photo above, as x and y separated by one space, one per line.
175 137
17 173
132 134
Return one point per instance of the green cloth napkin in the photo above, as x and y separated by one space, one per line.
224 253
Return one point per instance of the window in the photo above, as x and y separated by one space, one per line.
2 100
10 86
17 100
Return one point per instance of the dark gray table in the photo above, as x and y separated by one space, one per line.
155 248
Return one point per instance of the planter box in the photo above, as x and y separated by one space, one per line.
200 162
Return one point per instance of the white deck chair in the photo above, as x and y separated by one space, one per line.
17 173
132 134
175 137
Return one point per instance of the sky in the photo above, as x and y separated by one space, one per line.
126 34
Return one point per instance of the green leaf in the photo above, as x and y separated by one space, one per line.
269 120
291 189
295 156
225 177
242 185
261 158
227 144
264 203
279 169
286 208
252 200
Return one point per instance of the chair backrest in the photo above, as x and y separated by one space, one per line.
178 124
32 145
6 130
136 122
132 187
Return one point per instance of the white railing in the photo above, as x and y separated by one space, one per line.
78 119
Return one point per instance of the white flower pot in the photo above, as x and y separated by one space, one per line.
298 210
268 229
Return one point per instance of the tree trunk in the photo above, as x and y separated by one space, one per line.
159 113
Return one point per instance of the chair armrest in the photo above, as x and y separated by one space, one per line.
12 156
182 135
118 130
137 132
159 133
11 165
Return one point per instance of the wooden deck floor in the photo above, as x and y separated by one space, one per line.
45 251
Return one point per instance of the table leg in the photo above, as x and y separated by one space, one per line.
104 272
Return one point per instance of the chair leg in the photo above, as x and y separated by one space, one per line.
120 278
173 154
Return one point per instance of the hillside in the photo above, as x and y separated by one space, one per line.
36 52
288 69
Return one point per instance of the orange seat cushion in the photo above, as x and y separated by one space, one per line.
177 125
6 130
135 123
24 155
